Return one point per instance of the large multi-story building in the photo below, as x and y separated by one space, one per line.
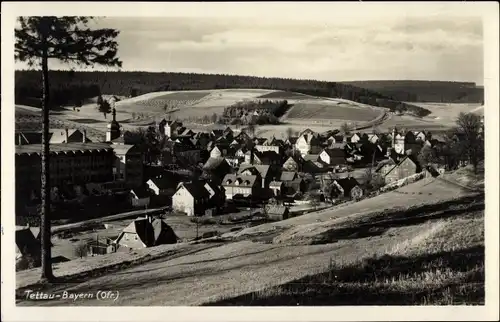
129 164
73 163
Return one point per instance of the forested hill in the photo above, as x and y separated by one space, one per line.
425 91
70 87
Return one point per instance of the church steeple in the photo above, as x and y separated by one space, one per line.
113 131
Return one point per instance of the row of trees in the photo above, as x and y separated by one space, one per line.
271 107
137 83
426 91
470 145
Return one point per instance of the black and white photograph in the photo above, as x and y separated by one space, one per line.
247 154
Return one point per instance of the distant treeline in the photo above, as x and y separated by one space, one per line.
425 91
67 87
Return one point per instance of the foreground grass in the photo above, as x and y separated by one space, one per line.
444 265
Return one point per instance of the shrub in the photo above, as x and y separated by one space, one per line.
81 250
27 262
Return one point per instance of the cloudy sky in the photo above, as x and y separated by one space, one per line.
335 48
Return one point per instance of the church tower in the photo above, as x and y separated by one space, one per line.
394 133
113 131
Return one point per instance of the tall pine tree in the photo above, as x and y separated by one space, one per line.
70 40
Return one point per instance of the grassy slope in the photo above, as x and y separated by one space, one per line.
442 265
29 120
255 263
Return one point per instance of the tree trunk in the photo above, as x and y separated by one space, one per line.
45 233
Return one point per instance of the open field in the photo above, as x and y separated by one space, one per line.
145 109
331 110
283 95
31 120
318 114
267 256
447 113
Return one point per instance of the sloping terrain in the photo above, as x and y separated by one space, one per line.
29 119
275 254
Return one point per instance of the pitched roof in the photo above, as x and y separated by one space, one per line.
163 182
276 209
151 234
28 137
347 183
335 153
383 163
213 163
311 157
140 192
288 175
310 138
340 145
239 180
267 156
26 243
275 183
263 170
218 133
59 135
196 189
338 138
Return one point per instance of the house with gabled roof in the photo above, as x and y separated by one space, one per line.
419 136
292 183
164 185
68 136
355 138
145 232
373 138
291 141
241 137
242 185
276 187
384 166
216 194
347 188
408 166
263 171
26 244
217 168
169 127
217 133
308 144
277 212
293 163
23 138
191 198
270 158
333 157
307 131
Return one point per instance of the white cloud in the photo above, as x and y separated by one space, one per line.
330 48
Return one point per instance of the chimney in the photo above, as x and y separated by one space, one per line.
66 135
19 139
84 139
150 218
